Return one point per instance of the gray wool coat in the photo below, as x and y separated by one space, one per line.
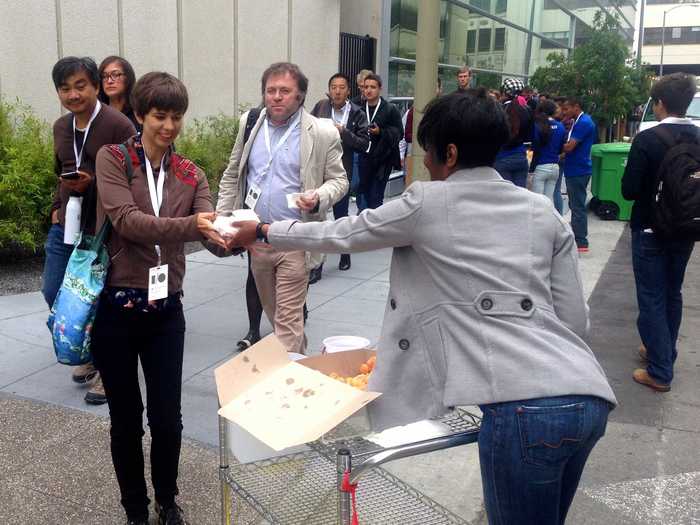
485 302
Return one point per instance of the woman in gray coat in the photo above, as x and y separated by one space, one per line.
485 307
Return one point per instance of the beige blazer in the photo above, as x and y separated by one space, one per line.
321 169
485 298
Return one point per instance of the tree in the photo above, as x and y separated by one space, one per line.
601 72
556 78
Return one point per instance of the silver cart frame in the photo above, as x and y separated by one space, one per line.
313 493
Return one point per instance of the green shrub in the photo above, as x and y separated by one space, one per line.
27 179
208 143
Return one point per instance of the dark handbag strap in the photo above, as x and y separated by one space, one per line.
106 228
670 140
127 162
665 136
253 116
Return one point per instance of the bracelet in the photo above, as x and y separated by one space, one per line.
259 232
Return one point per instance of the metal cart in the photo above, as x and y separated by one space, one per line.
315 487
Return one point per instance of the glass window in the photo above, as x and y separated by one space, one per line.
481 4
674 35
501 7
484 40
402 78
471 41
499 40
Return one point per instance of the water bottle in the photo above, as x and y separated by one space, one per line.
71 229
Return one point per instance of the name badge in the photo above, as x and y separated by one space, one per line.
158 283
251 198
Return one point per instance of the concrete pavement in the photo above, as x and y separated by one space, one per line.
650 449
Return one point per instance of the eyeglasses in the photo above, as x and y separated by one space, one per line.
114 76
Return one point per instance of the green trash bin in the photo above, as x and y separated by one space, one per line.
609 161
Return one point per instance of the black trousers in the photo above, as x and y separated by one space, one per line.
122 338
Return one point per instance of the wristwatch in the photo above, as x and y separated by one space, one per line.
259 235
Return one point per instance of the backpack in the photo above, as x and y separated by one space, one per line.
253 115
676 199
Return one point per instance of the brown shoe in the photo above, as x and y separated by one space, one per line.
96 394
641 376
84 373
643 352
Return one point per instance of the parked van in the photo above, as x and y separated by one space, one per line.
649 121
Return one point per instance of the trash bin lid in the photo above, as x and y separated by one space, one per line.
612 147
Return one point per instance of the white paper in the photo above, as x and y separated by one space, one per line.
224 225
292 200
411 433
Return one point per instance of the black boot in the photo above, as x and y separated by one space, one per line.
315 275
344 262
249 340
172 515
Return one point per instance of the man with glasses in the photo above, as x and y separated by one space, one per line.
77 136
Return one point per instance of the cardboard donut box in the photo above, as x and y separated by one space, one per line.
275 405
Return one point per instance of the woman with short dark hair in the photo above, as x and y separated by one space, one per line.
156 201
117 79
485 307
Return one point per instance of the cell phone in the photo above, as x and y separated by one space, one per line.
71 175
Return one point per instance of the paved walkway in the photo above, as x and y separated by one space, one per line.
651 445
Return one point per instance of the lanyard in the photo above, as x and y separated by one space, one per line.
281 142
79 156
571 129
370 120
346 113
155 193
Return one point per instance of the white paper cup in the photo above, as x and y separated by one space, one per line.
343 343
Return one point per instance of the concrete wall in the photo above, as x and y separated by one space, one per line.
219 48
365 17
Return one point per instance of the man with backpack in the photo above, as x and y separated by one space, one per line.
290 167
662 177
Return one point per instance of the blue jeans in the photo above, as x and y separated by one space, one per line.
532 454
659 268
576 190
558 202
545 179
513 168
57 255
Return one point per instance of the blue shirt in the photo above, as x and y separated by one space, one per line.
284 176
577 163
549 153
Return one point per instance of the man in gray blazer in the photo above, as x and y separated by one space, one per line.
289 155
485 307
